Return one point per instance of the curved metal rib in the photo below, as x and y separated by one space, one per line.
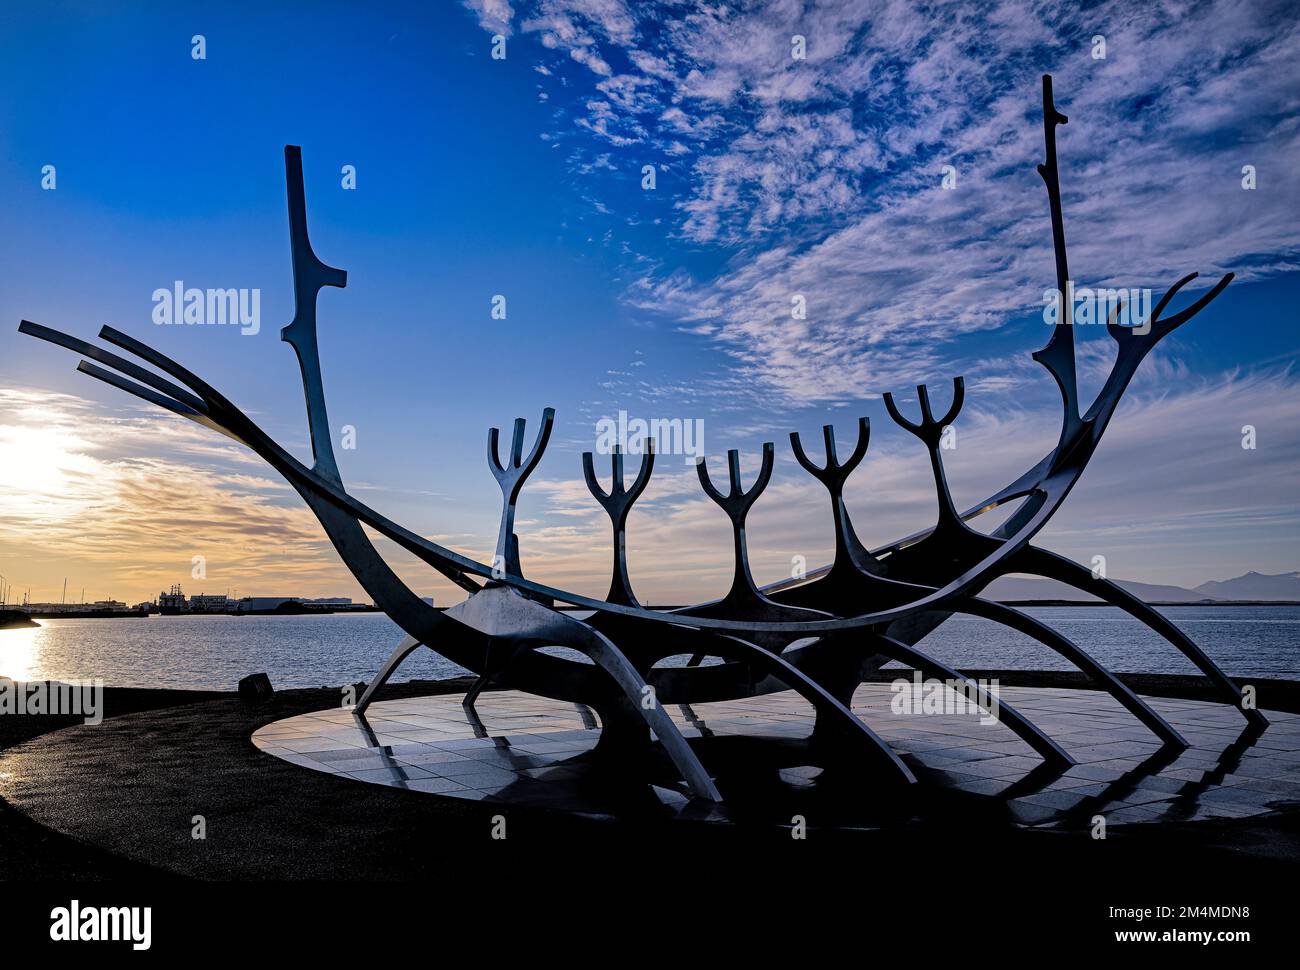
400 653
127 367
1067 648
607 656
836 712
502 613
1041 562
1025 729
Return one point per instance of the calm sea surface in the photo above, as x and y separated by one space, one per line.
213 652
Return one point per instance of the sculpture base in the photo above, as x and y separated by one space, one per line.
520 750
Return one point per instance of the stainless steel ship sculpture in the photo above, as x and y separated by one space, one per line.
820 636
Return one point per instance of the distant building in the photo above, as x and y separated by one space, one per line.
264 604
97 608
175 603
210 604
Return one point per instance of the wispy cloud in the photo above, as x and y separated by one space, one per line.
493 15
1195 504
121 500
821 176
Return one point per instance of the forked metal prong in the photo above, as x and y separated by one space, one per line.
928 429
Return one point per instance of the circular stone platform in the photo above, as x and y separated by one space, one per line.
520 750
134 784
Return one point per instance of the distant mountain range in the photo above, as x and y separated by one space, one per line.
1252 586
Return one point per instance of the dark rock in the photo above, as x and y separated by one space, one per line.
13 619
256 687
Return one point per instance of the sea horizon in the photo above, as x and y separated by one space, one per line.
215 652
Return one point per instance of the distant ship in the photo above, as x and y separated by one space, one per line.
173 603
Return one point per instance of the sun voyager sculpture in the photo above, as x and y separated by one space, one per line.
820 635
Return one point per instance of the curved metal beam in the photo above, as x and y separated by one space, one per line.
1025 729
400 653
825 703
1067 648
1041 562
501 613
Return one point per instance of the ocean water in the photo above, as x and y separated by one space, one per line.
214 652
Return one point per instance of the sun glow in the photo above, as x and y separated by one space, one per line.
44 471
18 652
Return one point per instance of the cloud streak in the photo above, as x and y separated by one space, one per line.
821 177
1195 504
124 509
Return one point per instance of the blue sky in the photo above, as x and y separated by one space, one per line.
523 177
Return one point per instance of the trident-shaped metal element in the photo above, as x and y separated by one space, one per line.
848 550
931 433
617 503
736 503
744 598
511 477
